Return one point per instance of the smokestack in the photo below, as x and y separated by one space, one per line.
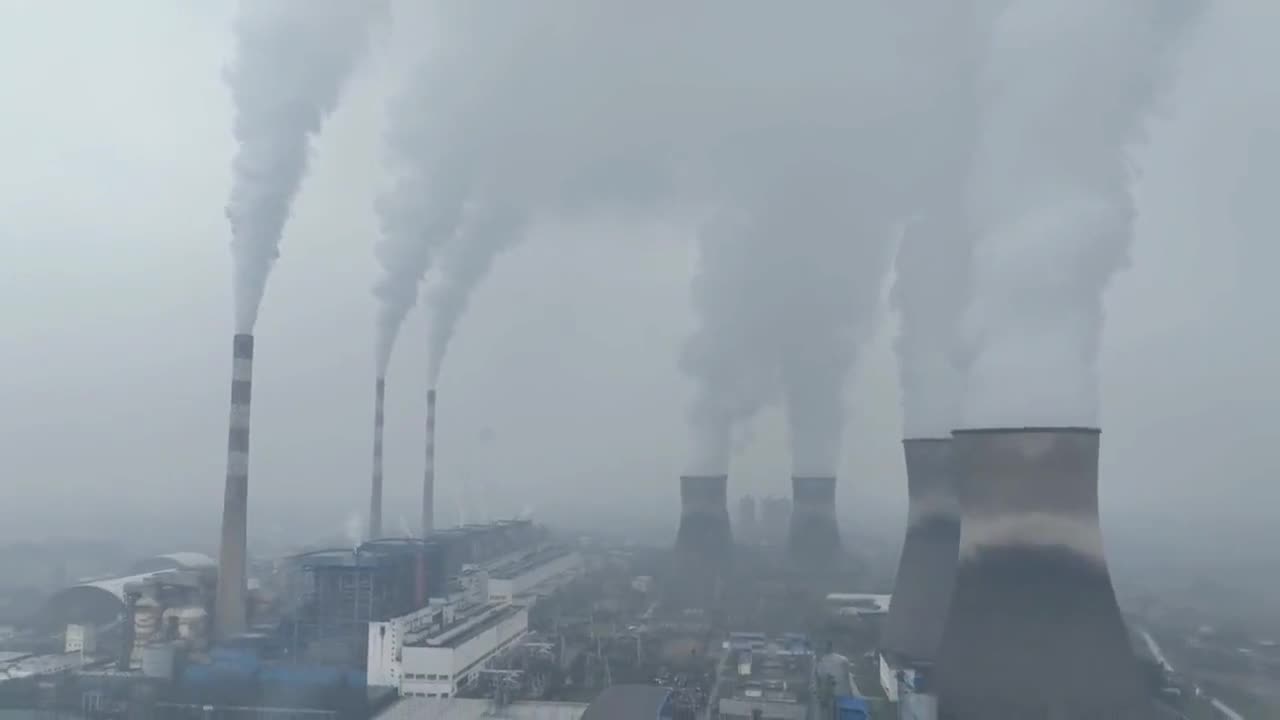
813 538
375 490
429 475
927 567
229 610
1033 630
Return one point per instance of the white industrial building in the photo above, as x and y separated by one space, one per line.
523 579
434 651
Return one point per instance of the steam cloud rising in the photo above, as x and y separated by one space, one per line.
1065 89
930 290
486 233
422 207
292 60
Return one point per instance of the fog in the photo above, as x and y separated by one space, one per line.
563 394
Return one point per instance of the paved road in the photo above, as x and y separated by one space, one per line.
1158 654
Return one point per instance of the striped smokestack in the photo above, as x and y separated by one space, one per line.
429 475
927 567
229 610
813 537
375 491
1033 630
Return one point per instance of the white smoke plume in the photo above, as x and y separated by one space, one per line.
422 206
1065 90
789 295
292 60
487 231
935 246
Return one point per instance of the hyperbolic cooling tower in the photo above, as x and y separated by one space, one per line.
927 566
813 537
429 474
229 605
1034 631
704 532
375 491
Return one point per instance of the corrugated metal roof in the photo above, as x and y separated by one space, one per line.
415 708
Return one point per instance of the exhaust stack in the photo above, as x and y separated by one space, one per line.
1033 630
813 537
927 567
229 604
429 475
375 491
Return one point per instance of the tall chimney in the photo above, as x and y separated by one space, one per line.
927 567
429 475
229 604
813 537
375 493
1033 630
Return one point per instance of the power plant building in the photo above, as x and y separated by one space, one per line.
1033 630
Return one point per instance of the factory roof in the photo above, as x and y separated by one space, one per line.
860 603
522 565
412 708
628 702
467 627
174 561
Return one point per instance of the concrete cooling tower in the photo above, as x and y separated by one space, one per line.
1033 631
704 519
229 604
927 566
813 537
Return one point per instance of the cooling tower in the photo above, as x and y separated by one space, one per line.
927 567
375 490
813 537
429 474
1033 630
229 610
704 519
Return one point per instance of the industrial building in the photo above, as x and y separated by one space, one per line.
1034 630
524 579
764 678
435 651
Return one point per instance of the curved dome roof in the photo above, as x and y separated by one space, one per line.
174 561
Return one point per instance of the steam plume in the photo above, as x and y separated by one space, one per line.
487 232
930 289
1066 87
423 203
292 59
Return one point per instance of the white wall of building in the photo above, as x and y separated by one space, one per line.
403 656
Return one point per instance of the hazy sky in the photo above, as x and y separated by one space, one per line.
562 393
